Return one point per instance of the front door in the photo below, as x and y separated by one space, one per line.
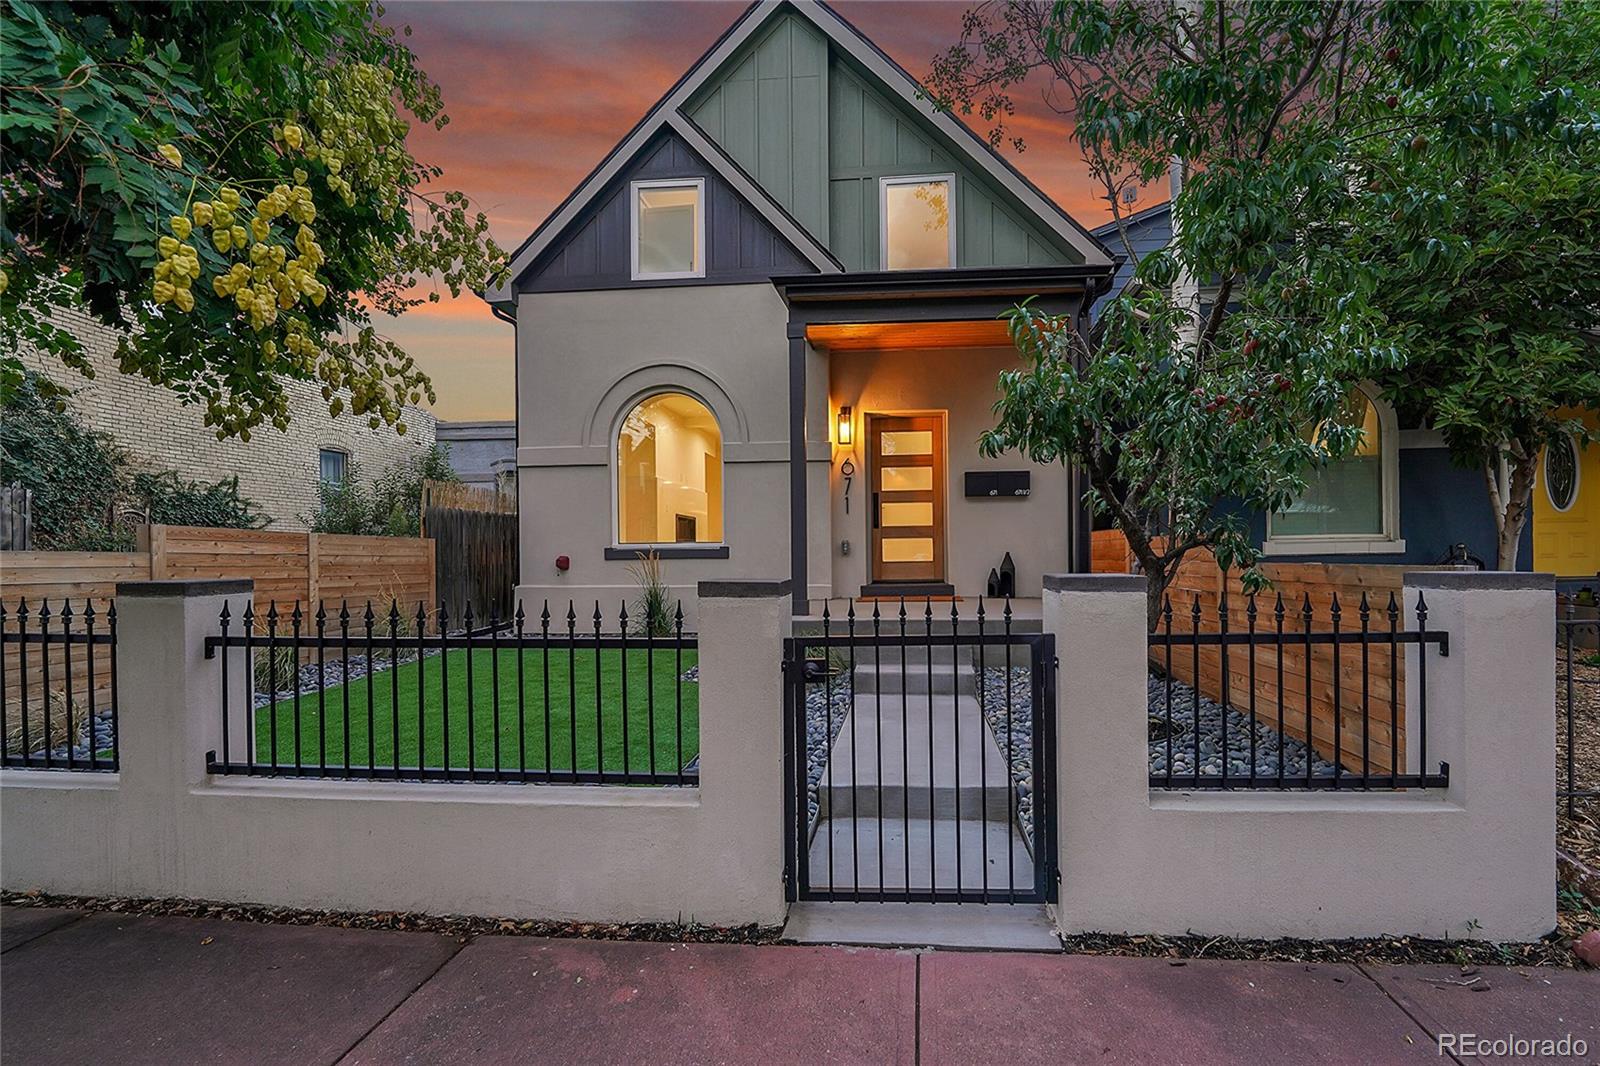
908 496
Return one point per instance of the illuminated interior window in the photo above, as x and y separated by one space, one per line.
916 223
1345 496
669 473
668 229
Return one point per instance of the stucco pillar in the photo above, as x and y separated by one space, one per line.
1099 625
169 716
742 628
1491 715
799 539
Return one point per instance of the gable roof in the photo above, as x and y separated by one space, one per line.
849 40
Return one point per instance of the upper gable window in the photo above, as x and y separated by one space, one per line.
916 233
669 228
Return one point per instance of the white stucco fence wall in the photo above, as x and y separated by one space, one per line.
1474 860
163 827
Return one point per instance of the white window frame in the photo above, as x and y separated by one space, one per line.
616 474
1571 443
1386 542
637 187
883 215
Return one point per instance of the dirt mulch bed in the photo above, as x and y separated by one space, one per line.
1578 832
461 927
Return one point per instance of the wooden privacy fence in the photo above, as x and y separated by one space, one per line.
477 560
1199 578
286 567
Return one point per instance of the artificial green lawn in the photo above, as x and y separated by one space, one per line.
418 698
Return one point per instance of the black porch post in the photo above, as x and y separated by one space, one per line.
1081 520
797 466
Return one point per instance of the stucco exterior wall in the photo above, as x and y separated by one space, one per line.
162 827
587 358
962 383
277 471
1475 860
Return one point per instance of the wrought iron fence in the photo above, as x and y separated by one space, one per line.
1347 732
58 687
1578 731
360 694
919 758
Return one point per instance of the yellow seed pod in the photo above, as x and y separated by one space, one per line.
229 195
222 285
171 154
279 254
184 299
180 226
318 294
240 236
202 213
300 177
293 136
163 270
286 298
260 228
268 348
166 246
163 291
221 214
5 282
222 238
400 428
244 298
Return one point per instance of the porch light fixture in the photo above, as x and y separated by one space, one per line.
844 425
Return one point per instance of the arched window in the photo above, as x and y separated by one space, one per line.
1350 504
1561 473
669 473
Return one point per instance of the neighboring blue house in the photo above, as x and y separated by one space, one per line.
1398 500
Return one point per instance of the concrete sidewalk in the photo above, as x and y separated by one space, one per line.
99 987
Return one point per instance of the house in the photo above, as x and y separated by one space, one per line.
1399 499
278 471
761 338
483 453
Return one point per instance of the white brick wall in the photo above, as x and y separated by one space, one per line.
277 471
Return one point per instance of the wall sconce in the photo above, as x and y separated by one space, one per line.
844 426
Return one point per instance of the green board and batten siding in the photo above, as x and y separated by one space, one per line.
769 112
817 134
871 137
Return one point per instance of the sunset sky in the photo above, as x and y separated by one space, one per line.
533 106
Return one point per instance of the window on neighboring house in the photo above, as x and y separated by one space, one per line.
333 466
1561 473
669 473
1350 504
916 233
669 228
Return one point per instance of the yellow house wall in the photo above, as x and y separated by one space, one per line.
1567 543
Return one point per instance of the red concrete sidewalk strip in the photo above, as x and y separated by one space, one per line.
522 1000
1064 1009
18 925
128 990
1495 1002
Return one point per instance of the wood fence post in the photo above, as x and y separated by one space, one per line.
313 579
158 553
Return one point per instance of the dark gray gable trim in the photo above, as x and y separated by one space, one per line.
851 40
594 252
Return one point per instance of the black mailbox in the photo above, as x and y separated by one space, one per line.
998 484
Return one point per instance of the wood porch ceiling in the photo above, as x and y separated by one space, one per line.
891 336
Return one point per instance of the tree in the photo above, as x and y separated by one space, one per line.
1193 401
1472 230
229 184
390 505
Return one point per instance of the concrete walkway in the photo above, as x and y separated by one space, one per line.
99 987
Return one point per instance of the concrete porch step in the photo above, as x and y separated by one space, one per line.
906 745
995 926
937 678
845 853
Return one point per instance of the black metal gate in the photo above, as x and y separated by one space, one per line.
919 758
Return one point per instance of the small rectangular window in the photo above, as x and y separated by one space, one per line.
332 466
916 231
669 229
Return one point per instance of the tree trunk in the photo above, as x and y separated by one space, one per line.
1511 499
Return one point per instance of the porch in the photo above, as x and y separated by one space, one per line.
892 379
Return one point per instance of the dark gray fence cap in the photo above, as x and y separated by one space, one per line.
186 589
1095 582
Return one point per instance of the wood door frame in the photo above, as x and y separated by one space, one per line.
940 530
